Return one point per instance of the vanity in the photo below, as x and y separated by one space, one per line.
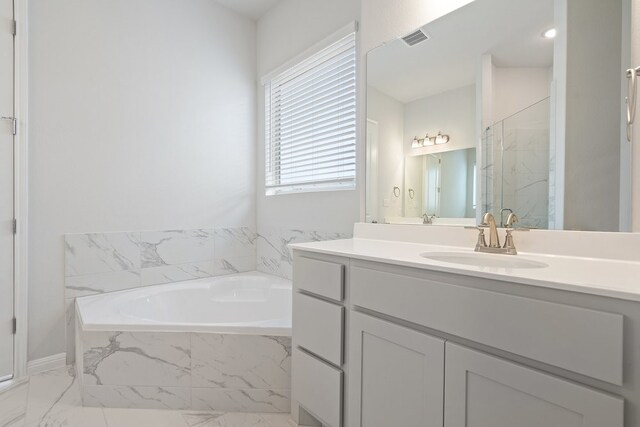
501 110
387 335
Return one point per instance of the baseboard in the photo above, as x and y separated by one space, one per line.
47 363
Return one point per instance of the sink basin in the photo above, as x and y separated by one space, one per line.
483 260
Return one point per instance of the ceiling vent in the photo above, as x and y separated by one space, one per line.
415 37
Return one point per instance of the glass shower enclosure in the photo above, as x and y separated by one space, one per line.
515 173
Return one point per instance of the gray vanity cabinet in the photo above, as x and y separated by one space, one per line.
487 391
381 345
399 375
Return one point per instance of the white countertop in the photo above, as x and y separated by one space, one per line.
596 276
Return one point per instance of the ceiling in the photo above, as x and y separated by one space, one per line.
510 30
252 9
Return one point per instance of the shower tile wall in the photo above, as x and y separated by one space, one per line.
274 255
525 176
516 167
106 262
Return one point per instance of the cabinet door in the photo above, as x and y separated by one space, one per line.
486 391
396 375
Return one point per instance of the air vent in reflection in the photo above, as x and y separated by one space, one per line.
415 38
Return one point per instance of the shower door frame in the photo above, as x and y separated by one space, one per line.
20 202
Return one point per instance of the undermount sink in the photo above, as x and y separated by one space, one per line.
483 260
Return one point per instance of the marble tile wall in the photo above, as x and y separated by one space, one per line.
525 176
107 262
274 256
517 166
198 371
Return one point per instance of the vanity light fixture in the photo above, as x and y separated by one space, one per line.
551 33
441 139
428 141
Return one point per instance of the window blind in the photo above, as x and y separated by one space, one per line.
310 122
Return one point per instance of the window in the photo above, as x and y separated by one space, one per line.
310 122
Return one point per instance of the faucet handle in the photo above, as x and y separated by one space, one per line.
508 242
511 219
481 243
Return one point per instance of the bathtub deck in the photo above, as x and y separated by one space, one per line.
54 399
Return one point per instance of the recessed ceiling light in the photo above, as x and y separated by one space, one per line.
550 33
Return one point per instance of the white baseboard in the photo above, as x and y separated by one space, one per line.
46 363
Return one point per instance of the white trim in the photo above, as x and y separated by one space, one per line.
351 27
48 363
6 386
21 194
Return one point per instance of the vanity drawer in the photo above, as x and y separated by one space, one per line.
319 277
585 341
318 388
318 327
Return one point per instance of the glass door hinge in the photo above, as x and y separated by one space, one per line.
14 123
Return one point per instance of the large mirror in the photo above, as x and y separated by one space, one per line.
502 106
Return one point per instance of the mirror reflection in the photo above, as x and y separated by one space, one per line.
497 118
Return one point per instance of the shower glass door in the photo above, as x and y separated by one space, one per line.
6 190
516 167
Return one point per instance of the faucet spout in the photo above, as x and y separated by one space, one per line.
490 221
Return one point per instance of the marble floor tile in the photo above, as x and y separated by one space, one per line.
245 400
13 403
221 419
54 400
228 420
278 420
143 417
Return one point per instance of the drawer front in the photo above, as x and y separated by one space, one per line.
319 277
588 342
318 388
318 327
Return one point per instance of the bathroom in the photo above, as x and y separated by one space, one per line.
198 231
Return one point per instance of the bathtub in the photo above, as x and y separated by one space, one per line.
214 344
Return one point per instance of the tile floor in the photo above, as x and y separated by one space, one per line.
53 399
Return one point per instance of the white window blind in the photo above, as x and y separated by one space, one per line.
310 122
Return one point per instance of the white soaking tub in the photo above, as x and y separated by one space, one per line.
215 344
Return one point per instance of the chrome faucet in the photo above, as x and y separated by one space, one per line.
488 221
428 219
502 211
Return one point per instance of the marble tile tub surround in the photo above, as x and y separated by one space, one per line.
274 255
198 371
585 244
53 398
106 262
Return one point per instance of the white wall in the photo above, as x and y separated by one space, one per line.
388 112
453 186
141 117
452 112
284 32
635 61
592 143
515 89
